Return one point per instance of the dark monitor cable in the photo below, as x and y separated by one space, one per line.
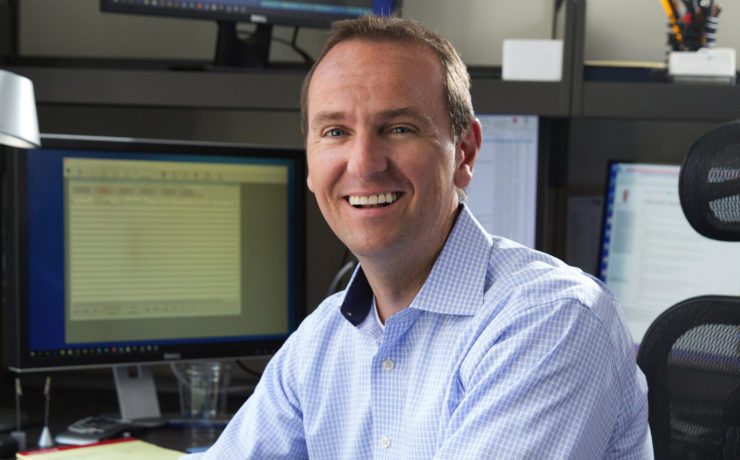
292 43
248 370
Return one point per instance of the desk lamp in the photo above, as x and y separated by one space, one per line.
19 127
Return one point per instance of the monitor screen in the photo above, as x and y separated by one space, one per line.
125 251
506 186
651 258
253 51
315 13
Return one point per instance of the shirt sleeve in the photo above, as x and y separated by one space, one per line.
270 423
548 383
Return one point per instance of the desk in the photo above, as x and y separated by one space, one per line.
68 405
172 438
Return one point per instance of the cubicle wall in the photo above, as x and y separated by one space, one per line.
585 123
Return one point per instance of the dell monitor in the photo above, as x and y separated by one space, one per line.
231 50
121 252
651 258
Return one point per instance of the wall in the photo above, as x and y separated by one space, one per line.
624 30
477 29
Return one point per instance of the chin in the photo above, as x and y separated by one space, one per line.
377 249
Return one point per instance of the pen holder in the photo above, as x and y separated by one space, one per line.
673 43
715 65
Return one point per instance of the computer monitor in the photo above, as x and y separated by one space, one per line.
651 258
253 51
506 192
122 252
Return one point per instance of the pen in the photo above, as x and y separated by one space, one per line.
670 12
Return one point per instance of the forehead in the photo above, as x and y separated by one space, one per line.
377 70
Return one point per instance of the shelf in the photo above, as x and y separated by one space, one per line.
255 90
661 101
520 98
251 90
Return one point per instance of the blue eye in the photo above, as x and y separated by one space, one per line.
334 132
400 130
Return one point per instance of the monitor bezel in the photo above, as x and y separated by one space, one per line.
15 242
256 14
605 206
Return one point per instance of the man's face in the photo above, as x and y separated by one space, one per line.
382 161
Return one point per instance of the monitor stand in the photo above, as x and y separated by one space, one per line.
232 51
137 396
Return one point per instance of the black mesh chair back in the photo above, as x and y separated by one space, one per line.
709 183
691 353
691 358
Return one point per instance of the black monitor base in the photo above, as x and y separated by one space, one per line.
232 51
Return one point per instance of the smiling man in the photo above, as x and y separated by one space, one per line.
383 162
448 342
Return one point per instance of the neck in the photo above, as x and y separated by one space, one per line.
395 289
397 278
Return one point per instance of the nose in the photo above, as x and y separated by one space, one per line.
367 157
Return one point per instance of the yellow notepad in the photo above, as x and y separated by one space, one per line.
123 449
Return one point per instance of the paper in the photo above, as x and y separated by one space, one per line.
503 193
117 449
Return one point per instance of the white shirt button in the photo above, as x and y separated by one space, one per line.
385 442
388 364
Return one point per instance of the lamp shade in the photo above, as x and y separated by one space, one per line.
19 125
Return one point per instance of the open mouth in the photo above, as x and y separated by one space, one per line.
373 201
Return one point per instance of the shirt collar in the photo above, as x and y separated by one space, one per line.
359 298
455 285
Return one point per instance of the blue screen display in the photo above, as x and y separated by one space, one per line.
60 323
290 12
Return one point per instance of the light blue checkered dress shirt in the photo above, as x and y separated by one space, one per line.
505 353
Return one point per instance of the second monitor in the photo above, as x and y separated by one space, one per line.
651 258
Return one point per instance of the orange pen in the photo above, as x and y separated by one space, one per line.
672 19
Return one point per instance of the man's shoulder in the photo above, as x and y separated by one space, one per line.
529 277
530 287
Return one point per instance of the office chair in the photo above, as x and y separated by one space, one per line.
691 353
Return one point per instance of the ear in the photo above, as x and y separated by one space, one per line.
466 152
309 183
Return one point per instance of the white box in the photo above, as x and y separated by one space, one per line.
705 64
532 60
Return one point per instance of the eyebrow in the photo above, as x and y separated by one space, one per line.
401 112
323 117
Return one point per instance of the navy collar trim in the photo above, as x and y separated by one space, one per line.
358 300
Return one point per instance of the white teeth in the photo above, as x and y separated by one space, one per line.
371 200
